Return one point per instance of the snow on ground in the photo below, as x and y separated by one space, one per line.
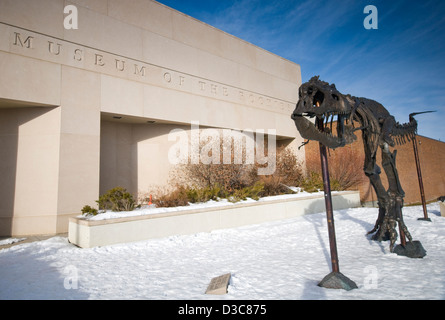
277 260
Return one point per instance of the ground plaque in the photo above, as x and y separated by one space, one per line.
218 285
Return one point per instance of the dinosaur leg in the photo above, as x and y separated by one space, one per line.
402 225
382 196
396 195
372 171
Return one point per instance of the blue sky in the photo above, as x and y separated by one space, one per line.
401 64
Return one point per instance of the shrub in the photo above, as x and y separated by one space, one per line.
273 185
203 182
116 199
176 198
232 177
313 182
199 182
289 168
227 176
87 210
195 195
345 170
254 192
288 173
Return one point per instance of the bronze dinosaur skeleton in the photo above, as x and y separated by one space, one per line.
322 101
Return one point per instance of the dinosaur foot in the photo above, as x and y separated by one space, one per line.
381 237
412 249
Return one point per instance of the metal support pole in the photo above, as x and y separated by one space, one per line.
419 176
419 172
335 279
328 202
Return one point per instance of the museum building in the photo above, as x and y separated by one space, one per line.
87 108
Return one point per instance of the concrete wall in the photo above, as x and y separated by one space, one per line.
135 156
89 233
29 144
138 60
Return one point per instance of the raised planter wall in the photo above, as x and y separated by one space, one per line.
89 233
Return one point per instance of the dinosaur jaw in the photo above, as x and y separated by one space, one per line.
322 130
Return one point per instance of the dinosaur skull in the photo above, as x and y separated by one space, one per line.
321 100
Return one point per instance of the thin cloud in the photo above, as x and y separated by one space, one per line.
400 65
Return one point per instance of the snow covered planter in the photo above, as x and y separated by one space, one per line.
122 227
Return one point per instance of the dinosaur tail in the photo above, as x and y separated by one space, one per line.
407 131
403 133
